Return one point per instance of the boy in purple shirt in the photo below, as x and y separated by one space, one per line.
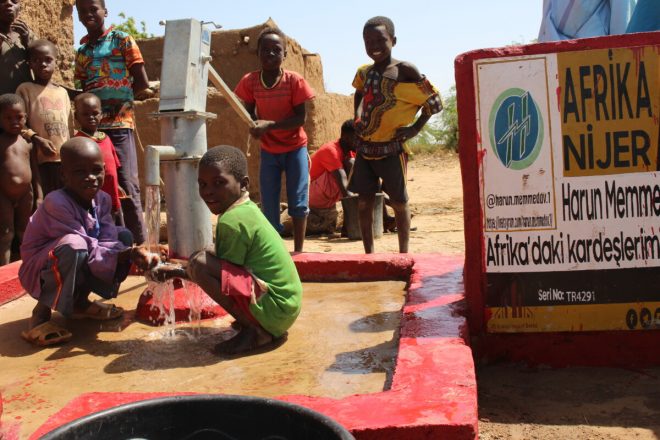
72 247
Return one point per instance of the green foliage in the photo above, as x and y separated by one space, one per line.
130 26
449 122
441 131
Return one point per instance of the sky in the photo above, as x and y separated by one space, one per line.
430 33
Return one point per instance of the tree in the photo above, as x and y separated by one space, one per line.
129 25
448 133
441 131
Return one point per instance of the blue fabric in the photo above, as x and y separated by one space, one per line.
127 175
96 229
295 164
569 19
646 17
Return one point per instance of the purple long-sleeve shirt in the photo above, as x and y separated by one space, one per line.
60 220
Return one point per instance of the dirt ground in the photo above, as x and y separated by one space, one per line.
436 197
515 401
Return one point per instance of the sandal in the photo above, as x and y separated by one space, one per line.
46 334
100 312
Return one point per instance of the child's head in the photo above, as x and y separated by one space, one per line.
9 10
87 110
271 48
92 14
83 169
42 55
379 38
222 177
347 137
12 114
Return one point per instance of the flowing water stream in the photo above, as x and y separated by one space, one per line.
164 292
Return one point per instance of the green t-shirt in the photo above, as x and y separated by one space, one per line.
245 238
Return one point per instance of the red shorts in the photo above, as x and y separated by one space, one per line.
239 285
324 192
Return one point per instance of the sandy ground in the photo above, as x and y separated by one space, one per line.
515 401
356 357
436 197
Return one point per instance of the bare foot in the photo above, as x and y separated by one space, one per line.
248 339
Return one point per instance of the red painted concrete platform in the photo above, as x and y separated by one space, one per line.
433 392
10 287
148 313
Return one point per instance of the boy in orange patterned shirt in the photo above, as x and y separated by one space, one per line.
109 64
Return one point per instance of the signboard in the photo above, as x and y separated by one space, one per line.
570 190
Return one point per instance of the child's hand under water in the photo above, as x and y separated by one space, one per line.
144 259
166 271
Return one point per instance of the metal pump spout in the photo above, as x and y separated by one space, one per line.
152 156
183 87
182 116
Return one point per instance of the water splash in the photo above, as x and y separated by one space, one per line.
163 295
164 292
195 295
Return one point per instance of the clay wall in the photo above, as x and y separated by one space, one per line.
53 20
325 116
234 55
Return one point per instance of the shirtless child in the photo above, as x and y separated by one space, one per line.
18 175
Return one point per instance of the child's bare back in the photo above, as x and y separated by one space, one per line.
15 171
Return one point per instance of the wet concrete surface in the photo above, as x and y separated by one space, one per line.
344 342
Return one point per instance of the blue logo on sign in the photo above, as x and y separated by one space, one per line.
516 129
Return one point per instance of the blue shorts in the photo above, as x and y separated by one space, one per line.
295 164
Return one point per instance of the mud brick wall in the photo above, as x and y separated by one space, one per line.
53 20
234 54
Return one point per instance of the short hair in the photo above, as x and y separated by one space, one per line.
75 145
231 157
268 31
348 127
9 99
83 97
100 1
36 44
380 21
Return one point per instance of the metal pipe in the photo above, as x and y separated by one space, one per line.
152 156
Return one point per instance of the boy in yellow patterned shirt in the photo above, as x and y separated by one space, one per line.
388 95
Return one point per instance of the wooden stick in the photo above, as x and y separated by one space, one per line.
233 101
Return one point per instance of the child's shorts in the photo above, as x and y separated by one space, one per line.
392 170
241 286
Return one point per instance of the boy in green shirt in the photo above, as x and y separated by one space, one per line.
250 272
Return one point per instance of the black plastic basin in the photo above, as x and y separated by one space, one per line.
202 417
